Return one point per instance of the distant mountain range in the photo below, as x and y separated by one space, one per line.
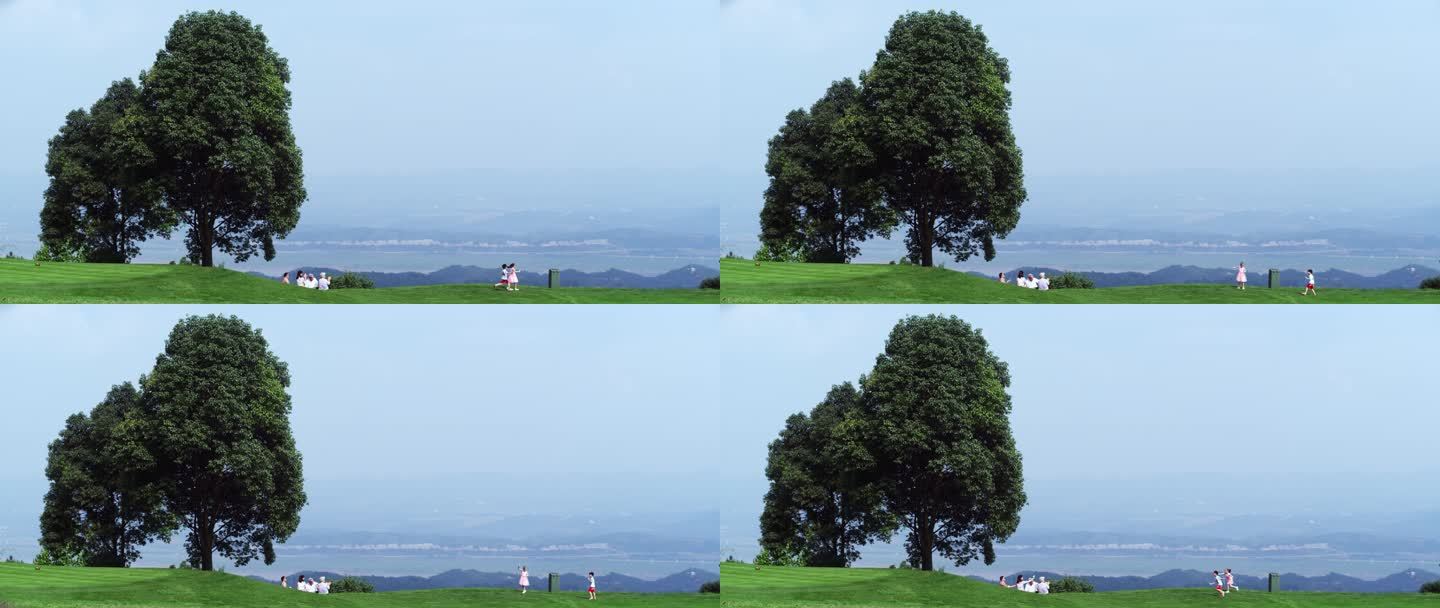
687 277
1408 277
1403 582
688 581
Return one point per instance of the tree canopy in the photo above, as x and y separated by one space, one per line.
103 198
925 140
824 498
204 138
218 120
218 424
823 199
923 443
203 442
104 500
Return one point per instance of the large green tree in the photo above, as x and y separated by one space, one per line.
824 198
937 119
217 422
104 500
824 500
217 117
937 424
103 198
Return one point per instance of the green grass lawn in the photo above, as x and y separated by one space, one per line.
21 282
791 283
771 587
21 586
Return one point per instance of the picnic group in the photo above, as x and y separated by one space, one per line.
1027 281
308 280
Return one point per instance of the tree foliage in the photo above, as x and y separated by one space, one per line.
924 443
203 442
218 424
710 587
103 198
1430 283
823 199
1071 584
937 118
824 499
217 116
938 426
352 584
1072 280
352 280
924 139
104 500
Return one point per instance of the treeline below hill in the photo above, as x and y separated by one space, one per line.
688 581
1403 582
1408 277
688 277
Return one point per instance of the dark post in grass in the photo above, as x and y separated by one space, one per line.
1274 277
1274 582
554 576
554 278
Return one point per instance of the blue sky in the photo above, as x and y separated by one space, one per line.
409 392
1099 86
1121 392
422 391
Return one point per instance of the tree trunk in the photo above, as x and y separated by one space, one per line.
207 240
925 541
925 238
206 544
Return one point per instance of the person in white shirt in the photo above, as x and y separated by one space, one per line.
1019 282
324 286
591 577
1033 283
1043 588
283 583
1044 286
1309 283
324 587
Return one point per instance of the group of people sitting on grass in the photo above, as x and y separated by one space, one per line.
1028 282
309 585
509 277
307 280
1029 585
1241 280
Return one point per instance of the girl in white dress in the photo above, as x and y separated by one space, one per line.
514 279
524 580
1240 277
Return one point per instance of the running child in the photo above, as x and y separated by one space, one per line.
1230 581
1309 283
1219 584
504 276
591 577
514 279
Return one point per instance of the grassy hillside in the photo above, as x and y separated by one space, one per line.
21 282
21 586
781 283
745 587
